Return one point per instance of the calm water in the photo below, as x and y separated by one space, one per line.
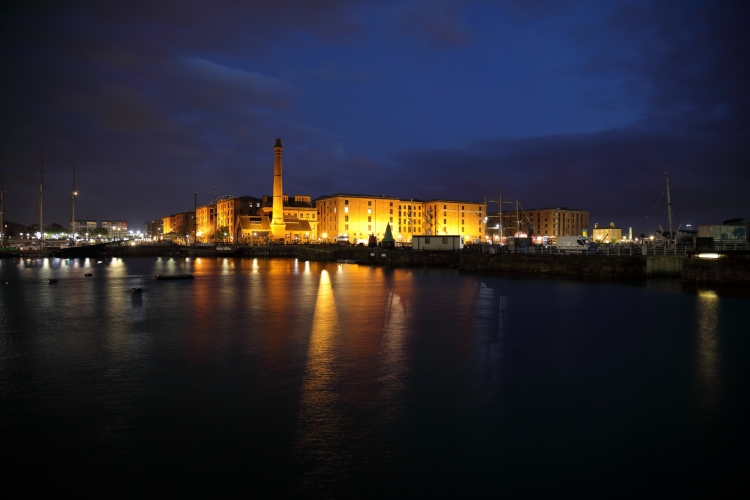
287 378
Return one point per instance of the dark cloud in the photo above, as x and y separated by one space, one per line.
441 24
156 100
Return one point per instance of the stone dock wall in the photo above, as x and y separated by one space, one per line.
733 269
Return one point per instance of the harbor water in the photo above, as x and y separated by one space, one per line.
284 378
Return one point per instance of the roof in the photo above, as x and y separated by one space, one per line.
384 197
253 223
297 225
566 209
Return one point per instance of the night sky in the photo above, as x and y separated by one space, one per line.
578 104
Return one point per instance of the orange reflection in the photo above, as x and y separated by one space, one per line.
707 349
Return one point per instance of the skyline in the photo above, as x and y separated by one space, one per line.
583 105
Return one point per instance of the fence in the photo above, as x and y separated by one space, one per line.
616 250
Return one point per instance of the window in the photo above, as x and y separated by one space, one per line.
346 210
427 241
334 209
369 228
369 203
445 221
369 219
391 219
369 210
445 241
346 227
346 218
462 221
445 207
462 229
391 205
346 202
391 210
462 207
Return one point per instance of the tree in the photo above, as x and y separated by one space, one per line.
99 232
55 230
222 233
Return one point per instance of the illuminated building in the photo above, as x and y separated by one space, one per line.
356 216
83 227
116 229
464 218
609 234
230 208
547 222
206 222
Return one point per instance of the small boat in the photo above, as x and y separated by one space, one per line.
174 276
52 281
88 275
136 290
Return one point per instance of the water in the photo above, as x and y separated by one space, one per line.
293 379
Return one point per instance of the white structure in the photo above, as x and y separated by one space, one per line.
579 244
448 242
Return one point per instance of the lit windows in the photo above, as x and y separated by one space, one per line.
369 210
346 210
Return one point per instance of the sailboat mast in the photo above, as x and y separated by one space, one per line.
669 209
73 206
2 208
41 199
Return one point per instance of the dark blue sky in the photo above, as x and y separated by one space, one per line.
580 104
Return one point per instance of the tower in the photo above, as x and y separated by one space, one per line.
278 227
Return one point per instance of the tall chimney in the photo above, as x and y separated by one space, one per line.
278 226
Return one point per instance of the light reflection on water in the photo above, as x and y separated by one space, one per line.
321 379
707 349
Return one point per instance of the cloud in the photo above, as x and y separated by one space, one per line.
256 85
439 24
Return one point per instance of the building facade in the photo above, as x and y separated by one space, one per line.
545 222
606 234
116 229
229 209
205 217
84 227
356 216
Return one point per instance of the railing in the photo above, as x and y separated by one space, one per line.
615 250
724 246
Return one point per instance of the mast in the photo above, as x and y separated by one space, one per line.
41 197
669 209
500 212
195 218
73 206
518 220
2 208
